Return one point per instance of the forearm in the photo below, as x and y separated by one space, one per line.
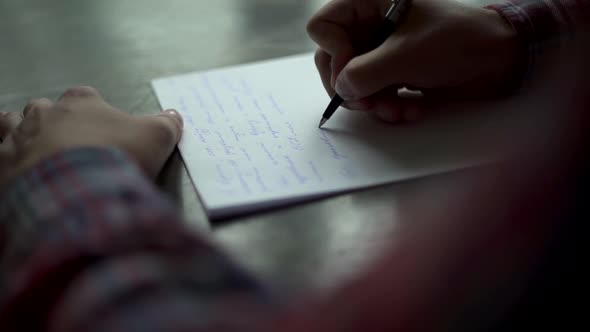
91 245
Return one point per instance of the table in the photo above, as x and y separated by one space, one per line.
118 46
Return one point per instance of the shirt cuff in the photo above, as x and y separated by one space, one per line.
540 25
89 235
64 195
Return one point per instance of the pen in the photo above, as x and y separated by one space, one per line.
394 13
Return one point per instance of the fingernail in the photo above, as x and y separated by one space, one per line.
172 112
344 88
175 115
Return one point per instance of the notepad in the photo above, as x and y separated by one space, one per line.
251 139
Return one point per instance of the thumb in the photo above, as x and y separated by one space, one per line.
372 72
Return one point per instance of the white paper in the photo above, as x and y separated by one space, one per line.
251 138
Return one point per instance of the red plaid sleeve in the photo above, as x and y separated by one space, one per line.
90 245
541 25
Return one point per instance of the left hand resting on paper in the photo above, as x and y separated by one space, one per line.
82 118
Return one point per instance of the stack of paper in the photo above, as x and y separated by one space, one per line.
251 138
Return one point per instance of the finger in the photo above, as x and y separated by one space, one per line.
389 110
8 123
402 106
36 105
335 25
79 92
406 112
171 123
328 28
413 111
164 132
363 105
372 103
323 63
338 63
415 104
340 29
2 114
375 71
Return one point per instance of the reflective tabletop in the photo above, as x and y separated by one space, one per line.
119 46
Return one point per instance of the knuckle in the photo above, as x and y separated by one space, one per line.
354 74
81 91
319 56
32 103
35 105
312 25
322 62
14 116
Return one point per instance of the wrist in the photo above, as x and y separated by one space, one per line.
509 60
20 164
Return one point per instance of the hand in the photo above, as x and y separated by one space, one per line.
443 48
82 118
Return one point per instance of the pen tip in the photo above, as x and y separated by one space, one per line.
322 122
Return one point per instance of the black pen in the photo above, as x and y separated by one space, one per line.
394 13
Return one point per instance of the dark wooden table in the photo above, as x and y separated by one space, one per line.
118 46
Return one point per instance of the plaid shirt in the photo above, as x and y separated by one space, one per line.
88 244
541 25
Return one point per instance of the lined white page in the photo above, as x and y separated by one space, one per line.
251 138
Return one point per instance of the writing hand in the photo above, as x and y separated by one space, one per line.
443 48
